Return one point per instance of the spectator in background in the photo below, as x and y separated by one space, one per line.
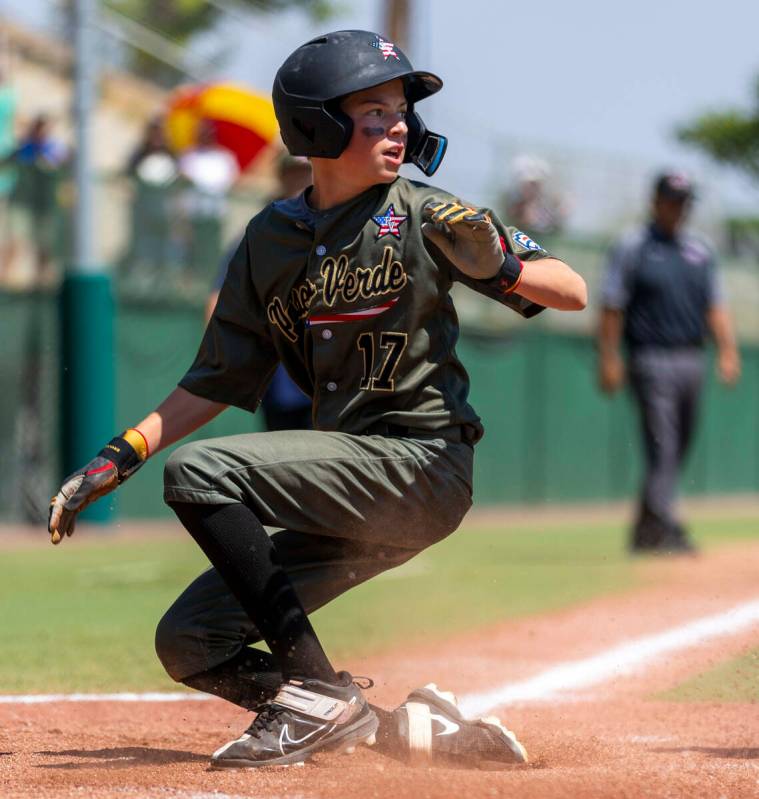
208 171
530 204
662 296
153 171
285 406
38 160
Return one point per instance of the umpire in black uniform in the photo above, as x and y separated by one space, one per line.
662 296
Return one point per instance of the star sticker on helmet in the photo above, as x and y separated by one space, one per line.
386 48
389 223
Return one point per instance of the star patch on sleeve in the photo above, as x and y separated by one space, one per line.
389 223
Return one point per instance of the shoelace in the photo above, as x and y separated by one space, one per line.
268 715
267 718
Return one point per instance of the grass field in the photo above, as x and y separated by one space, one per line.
735 680
80 617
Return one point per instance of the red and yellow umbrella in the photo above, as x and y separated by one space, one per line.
244 120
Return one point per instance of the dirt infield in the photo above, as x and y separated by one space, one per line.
612 739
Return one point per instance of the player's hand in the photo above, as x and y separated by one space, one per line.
120 458
80 489
729 367
611 373
466 237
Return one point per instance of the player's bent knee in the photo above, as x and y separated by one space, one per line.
166 648
431 532
172 650
446 522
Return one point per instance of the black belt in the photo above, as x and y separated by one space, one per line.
456 433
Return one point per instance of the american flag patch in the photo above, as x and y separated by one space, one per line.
389 223
386 48
351 316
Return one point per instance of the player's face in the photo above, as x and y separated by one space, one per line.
378 144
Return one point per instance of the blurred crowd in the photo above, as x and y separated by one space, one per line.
34 169
533 201
175 205
177 209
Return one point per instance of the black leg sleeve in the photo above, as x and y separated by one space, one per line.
248 679
236 543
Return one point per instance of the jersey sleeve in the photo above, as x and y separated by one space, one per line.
520 244
237 358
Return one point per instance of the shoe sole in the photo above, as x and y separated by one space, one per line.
427 697
361 732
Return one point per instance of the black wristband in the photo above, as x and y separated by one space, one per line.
508 276
511 269
123 456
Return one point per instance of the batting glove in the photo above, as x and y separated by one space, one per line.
466 237
120 458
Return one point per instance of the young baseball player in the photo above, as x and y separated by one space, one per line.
347 286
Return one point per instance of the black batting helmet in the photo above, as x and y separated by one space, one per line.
310 84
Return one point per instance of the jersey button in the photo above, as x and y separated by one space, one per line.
326 334
331 386
321 250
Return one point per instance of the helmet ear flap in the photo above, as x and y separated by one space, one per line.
317 131
343 124
424 148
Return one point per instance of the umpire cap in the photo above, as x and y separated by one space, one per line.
675 185
310 84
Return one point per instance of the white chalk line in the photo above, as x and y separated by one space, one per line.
39 699
550 684
616 662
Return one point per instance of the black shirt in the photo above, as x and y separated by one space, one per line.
664 285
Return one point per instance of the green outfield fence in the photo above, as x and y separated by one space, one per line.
550 435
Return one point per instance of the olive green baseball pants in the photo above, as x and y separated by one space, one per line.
348 507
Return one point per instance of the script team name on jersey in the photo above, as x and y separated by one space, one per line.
339 282
386 277
285 315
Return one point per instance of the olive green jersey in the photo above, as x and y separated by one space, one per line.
354 301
